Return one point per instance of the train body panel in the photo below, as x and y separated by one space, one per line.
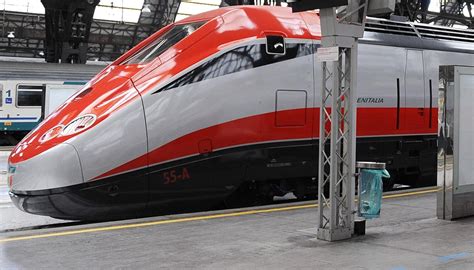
226 98
58 166
102 150
232 106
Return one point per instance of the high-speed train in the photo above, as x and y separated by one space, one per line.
224 105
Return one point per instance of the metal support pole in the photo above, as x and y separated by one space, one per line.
336 186
336 168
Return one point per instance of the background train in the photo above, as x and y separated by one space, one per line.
22 82
214 109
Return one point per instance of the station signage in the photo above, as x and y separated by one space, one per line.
327 54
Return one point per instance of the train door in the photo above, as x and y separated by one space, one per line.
417 153
2 116
415 110
380 91
6 105
5 100
7 114
1 99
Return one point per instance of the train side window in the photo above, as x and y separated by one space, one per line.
29 95
276 45
239 59
1 95
161 44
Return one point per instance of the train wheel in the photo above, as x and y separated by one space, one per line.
389 183
9 140
244 196
426 180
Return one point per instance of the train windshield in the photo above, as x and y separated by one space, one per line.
162 43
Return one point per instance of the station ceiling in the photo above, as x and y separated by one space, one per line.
117 24
116 10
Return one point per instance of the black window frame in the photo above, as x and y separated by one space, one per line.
29 88
260 57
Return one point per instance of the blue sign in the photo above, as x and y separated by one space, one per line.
8 100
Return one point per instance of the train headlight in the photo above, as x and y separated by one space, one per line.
11 172
79 124
52 133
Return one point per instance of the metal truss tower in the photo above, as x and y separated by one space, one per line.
451 12
68 25
163 12
336 189
106 41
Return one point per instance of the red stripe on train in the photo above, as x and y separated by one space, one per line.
284 125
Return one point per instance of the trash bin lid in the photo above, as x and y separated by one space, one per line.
370 165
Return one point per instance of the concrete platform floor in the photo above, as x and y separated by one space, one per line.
407 236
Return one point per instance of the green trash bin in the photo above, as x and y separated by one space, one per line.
370 188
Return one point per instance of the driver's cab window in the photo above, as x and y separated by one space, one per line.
163 43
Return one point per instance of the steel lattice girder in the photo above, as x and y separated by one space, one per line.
107 39
335 185
450 13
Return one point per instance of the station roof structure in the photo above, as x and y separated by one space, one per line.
118 25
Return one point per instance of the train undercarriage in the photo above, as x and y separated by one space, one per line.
250 175
11 138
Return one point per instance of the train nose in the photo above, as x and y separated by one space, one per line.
56 167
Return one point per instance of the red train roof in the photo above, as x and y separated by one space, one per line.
262 14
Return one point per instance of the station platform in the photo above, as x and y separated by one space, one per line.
407 236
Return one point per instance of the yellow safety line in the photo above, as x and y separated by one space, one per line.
180 220
411 193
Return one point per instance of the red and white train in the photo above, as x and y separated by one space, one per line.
214 106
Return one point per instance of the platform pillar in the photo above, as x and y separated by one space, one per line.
455 198
341 28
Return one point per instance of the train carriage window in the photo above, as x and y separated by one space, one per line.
162 43
1 95
239 59
29 95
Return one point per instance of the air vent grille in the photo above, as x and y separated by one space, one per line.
418 30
